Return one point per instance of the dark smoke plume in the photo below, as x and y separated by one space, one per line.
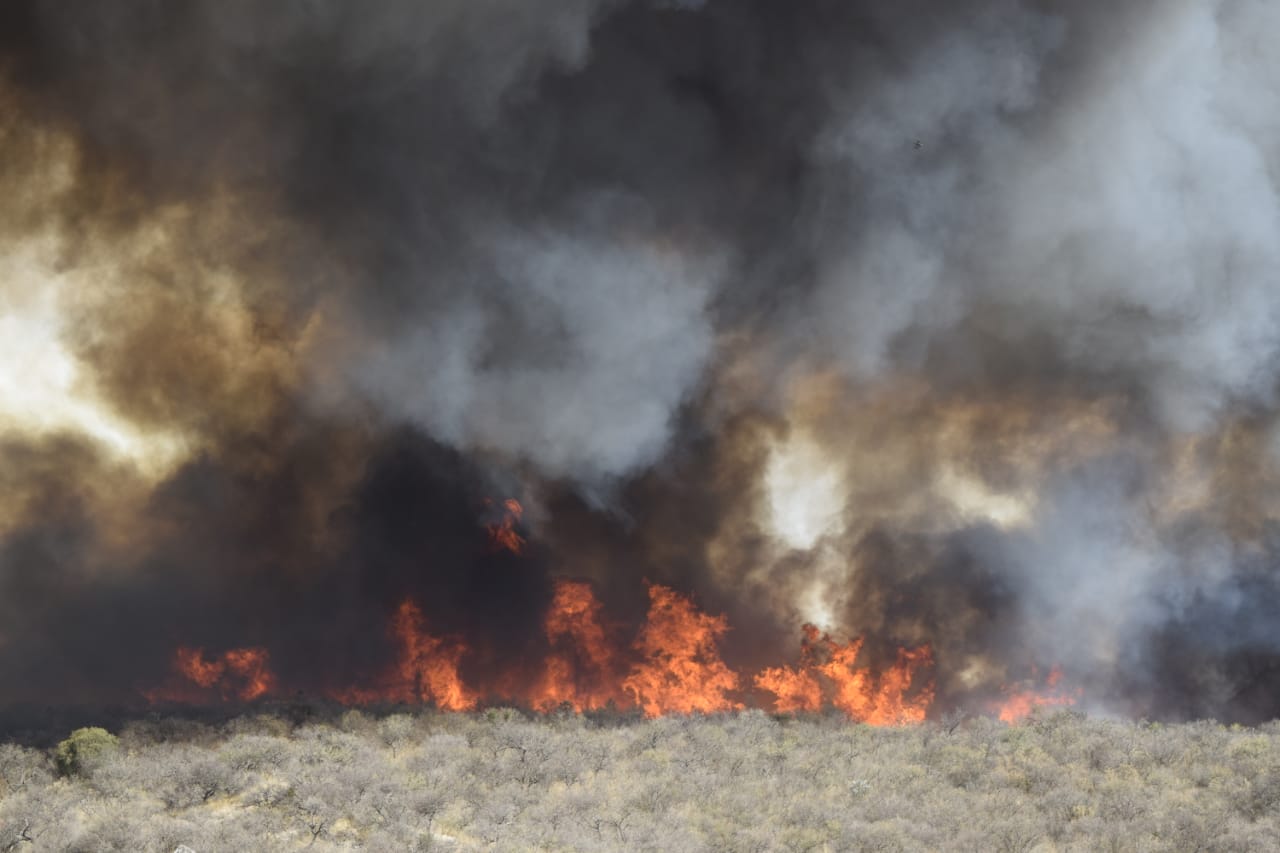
945 323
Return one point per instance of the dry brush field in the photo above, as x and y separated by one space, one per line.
504 781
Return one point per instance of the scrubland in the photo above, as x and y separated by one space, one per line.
502 780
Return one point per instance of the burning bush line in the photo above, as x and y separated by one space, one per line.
505 780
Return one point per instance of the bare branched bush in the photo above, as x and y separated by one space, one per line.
505 780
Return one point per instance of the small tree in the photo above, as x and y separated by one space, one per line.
21 767
395 731
84 748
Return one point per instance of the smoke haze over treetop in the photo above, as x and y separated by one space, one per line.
946 325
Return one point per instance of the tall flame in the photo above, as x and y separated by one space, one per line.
681 671
428 667
581 669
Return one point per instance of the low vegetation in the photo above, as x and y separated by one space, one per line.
501 780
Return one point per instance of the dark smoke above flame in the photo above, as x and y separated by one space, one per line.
583 353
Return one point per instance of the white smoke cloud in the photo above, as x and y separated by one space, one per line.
1127 211
1144 227
573 355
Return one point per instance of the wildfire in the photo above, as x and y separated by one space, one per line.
672 665
681 671
1018 704
828 668
503 534
426 669
242 674
581 669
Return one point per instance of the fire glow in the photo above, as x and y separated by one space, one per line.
241 674
1019 703
503 533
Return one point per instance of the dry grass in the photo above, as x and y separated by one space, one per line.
499 780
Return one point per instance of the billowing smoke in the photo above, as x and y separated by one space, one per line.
939 324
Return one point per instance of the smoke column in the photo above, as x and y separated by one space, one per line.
932 323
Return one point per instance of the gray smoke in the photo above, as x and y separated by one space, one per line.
1008 265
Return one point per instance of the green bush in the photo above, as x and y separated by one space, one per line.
85 746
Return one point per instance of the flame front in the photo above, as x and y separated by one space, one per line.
673 666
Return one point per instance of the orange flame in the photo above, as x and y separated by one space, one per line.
1018 704
192 665
878 701
581 670
885 703
681 671
250 666
428 666
426 670
244 674
797 691
503 534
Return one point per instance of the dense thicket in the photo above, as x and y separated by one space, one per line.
745 782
